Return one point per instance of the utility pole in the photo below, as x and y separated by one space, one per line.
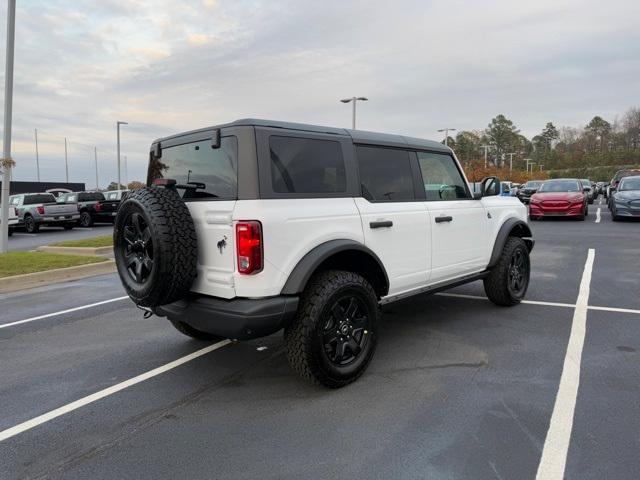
8 110
95 157
446 134
66 160
354 100
37 155
486 149
511 161
118 123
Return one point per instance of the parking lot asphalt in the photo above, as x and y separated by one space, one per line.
21 240
459 388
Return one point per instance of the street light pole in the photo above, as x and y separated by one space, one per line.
37 156
446 134
8 110
118 123
486 149
541 165
126 172
95 158
66 161
354 100
511 161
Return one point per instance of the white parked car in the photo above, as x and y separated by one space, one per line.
257 226
13 219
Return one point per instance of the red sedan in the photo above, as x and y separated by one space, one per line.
559 198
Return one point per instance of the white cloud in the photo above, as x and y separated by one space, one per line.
166 66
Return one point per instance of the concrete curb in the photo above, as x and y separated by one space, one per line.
58 275
77 250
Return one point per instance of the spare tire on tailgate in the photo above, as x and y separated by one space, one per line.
155 246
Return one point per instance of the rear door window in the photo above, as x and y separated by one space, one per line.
213 173
441 177
90 197
306 165
385 174
39 198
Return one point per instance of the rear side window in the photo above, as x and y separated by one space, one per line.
385 174
90 197
441 177
305 165
39 198
213 173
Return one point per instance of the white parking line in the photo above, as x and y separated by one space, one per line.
62 312
556 445
616 310
39 420
19 234
598 215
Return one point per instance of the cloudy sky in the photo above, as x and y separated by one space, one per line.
166 66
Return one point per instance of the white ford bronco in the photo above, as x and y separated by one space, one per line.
255 226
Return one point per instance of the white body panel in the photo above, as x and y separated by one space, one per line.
403 248
458 247
291 228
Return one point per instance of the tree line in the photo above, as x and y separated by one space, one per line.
594 151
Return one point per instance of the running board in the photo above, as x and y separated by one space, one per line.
435 288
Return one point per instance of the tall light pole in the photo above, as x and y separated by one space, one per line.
95 158
541 165
118 123
66 160
529 162
6 146
37 155
511 161
354 100
126 172
446 134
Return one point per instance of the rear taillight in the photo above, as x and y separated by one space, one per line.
249 246
97 207
40 210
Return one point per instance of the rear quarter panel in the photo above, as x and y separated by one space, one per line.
291 228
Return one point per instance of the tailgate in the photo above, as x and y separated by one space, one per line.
60 209
216 247
109 205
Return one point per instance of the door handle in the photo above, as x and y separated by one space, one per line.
382 224
444 218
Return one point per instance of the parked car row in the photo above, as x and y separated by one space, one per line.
34 210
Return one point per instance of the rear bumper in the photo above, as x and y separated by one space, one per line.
104 216
240 318
55 220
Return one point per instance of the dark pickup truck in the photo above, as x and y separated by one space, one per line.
92 207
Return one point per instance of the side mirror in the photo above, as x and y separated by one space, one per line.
490 186
585 189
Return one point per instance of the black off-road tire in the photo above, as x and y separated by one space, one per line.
497 285
85 220
30 224
304 346
189 331
171 244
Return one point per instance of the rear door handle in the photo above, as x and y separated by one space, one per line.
382 224
443 218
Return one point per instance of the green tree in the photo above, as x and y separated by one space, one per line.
597 131
549 135
467 145
504 135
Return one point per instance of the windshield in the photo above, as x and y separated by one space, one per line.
632 183
531 184
560 186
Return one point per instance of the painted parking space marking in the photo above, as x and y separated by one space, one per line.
20 234
556 446
94 397
61 312
598 215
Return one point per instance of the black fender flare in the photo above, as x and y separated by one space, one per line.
511 224
308 264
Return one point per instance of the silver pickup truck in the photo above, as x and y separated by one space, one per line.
41 209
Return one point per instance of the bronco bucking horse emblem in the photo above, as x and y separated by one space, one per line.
222 244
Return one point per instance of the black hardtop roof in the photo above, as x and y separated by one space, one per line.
358 136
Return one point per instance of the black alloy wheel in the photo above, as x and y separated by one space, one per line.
346 329
30 224
85 220
138 248
518 272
